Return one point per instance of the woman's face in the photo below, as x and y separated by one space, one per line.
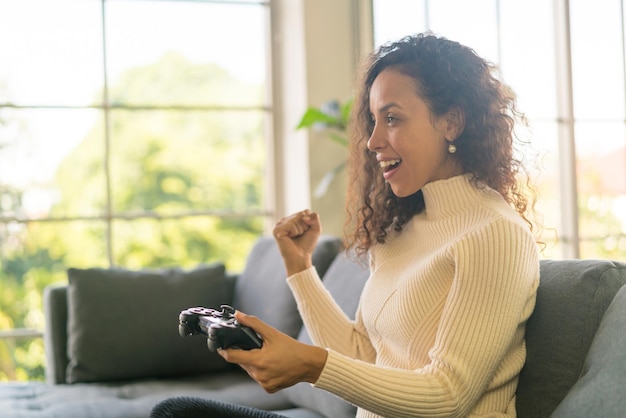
409 142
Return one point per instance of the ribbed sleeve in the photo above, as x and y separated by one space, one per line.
440 328
318 307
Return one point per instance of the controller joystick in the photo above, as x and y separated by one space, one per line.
220 327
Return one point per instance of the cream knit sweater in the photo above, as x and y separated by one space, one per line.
439 331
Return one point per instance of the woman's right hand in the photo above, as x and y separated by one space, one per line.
296 236
281 362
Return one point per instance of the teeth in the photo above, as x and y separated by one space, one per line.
385 164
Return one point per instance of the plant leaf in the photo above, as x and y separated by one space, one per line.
314 116
346 110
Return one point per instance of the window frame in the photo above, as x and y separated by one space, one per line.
109 215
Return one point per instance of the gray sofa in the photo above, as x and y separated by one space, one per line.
113 348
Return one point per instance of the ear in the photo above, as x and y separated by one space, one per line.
454 123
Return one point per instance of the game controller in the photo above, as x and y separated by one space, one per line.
220 327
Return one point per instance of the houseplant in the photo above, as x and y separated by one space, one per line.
332 118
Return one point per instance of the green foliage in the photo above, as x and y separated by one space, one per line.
332 118
171 164
600 228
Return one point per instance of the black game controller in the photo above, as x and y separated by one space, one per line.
221 328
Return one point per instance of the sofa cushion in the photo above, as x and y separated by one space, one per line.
123 324
344 280
262 290
571 300
130 398
600 390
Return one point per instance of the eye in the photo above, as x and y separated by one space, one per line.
391 120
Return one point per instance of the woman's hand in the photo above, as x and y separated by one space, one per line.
297 236
281 362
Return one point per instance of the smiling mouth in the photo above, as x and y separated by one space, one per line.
389 165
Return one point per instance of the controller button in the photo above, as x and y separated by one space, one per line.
227 311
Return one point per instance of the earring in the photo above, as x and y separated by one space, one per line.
451 148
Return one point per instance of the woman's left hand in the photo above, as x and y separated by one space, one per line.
281 362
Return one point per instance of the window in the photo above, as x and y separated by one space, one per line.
565 61
134 134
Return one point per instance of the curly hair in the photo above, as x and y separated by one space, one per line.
448 75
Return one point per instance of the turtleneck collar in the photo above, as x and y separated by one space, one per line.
449 196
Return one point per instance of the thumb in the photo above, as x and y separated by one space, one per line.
253 322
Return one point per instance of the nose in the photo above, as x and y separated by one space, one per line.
376 140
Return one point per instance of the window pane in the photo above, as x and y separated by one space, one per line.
51 162
527 56
601 169
597 59
39 253
51 52
32 256
188 183
186 242
22 349
172 162
542 162
187 53
472 23
394 19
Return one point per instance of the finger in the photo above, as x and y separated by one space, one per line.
253 322
294 226
312 220
303 221
236 355
286 227
300 223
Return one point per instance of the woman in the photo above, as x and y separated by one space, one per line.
454 266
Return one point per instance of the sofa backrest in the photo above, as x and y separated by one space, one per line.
259 290
600 390
572 298
262 290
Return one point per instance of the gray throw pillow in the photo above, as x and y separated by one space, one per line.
123 324
262 290
600 391
344 280
572 298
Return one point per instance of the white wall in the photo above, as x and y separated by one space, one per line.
318 47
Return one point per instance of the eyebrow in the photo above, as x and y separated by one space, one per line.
389 106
